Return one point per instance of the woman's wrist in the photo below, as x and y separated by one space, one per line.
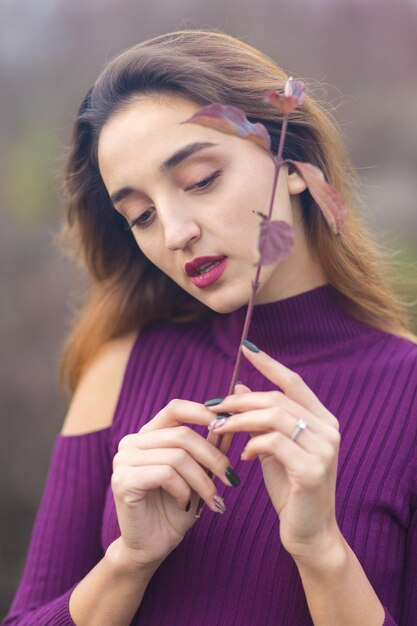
327 555
130 562
336 587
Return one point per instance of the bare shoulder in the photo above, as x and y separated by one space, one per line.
94 401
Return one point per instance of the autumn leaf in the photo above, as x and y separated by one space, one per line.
276 239
329 199
232 121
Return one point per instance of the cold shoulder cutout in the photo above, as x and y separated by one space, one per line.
95 399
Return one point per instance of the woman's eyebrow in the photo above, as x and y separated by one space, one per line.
183 153
175 159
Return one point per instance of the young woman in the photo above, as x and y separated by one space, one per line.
311 517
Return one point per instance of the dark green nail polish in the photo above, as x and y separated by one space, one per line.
213 401
232 477
250 345
187 508
220 416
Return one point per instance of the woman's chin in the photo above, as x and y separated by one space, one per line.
221 303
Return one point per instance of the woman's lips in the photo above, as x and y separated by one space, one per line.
210 276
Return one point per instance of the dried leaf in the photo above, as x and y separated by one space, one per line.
276 240
328 198
232 121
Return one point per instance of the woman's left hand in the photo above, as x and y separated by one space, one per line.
300 472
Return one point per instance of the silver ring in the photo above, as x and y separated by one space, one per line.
301 425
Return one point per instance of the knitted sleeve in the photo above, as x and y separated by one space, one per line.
66 537
409 586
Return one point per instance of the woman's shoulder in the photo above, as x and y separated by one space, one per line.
402 347
94 401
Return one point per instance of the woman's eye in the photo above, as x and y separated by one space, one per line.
142 222
205 182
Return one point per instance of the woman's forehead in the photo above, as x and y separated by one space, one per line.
155 133
147 122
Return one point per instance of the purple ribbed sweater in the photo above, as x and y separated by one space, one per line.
231 569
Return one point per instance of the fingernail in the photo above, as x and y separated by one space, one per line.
187 508
213 401
239 382
216 423
250 345
222 415
232 477
219 503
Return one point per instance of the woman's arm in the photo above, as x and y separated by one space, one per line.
65 548
65 543
112 591
337 589
66 538
300 475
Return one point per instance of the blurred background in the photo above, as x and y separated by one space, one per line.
362 52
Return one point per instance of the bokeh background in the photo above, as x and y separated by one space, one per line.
363 53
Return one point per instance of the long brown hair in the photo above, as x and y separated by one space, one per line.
127 290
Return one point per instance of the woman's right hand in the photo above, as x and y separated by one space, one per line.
156 472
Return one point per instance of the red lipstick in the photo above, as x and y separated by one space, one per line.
205 270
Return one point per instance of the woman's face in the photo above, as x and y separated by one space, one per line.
203 203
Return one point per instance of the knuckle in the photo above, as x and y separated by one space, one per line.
333 422
180 456
116 460
335 438
276 395
126 441
328 452
170 475
316 472
294 380
278 412
219 459
174 405
118 481
208 490
184 432
278 439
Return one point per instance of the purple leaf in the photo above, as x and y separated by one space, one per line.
293 96
232 121
276 240
328 198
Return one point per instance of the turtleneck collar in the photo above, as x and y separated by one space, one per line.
305 327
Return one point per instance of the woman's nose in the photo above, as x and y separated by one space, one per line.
180 231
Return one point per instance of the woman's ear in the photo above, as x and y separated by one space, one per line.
297 184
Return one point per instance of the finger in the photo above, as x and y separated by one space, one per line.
289 381
267 420
310 469
180 461
181 437
178 412
289 453
131 485
277 402
239 389
261 400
